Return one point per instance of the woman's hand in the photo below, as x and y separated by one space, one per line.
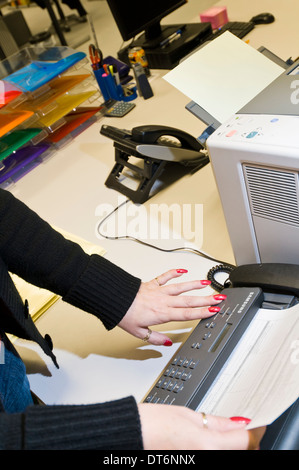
169 427
157 303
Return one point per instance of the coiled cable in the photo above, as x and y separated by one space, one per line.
220 268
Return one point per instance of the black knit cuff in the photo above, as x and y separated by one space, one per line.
107 426
105 290
10 431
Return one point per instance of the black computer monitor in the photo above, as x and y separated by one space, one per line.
132 18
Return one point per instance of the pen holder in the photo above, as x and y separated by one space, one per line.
109 89
102 83
132 96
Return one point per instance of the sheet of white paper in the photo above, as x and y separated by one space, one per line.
260 380
224 75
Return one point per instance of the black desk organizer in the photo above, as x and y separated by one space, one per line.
155 157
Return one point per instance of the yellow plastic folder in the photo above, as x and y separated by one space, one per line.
8 121
65 104
73 121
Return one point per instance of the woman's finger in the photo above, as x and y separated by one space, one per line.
187 301
158 306
178 288
168 275
156 338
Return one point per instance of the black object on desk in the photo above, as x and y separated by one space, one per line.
238 28
154 149
187 377
193 35
118 108
143 86
55 23
283 433
198 361
263 18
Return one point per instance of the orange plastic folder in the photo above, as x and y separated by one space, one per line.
73 122
65 104
11 142
8 121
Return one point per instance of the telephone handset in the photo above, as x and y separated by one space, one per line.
154 134
168 143
156 145
278 281
159 142
270 277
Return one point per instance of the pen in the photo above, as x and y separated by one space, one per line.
114 91
171 38
116 75
113 71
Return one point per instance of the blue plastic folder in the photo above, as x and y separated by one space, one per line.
38 73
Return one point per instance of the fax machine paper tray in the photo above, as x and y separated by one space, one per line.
259 103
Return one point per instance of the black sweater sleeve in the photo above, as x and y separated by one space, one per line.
31 249
42 256
108 426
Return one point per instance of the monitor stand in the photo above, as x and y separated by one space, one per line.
167 57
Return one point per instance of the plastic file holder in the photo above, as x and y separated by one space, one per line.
8 93
30 71
40 106
20 162
16 139
9 121
65 104
47 102
74 122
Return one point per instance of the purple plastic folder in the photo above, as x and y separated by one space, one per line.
21 162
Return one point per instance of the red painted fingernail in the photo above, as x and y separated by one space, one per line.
214 309
168 343
219 297
181 271
205 282
240 419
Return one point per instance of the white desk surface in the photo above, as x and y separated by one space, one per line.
96 365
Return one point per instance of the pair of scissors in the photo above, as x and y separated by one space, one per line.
96 57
